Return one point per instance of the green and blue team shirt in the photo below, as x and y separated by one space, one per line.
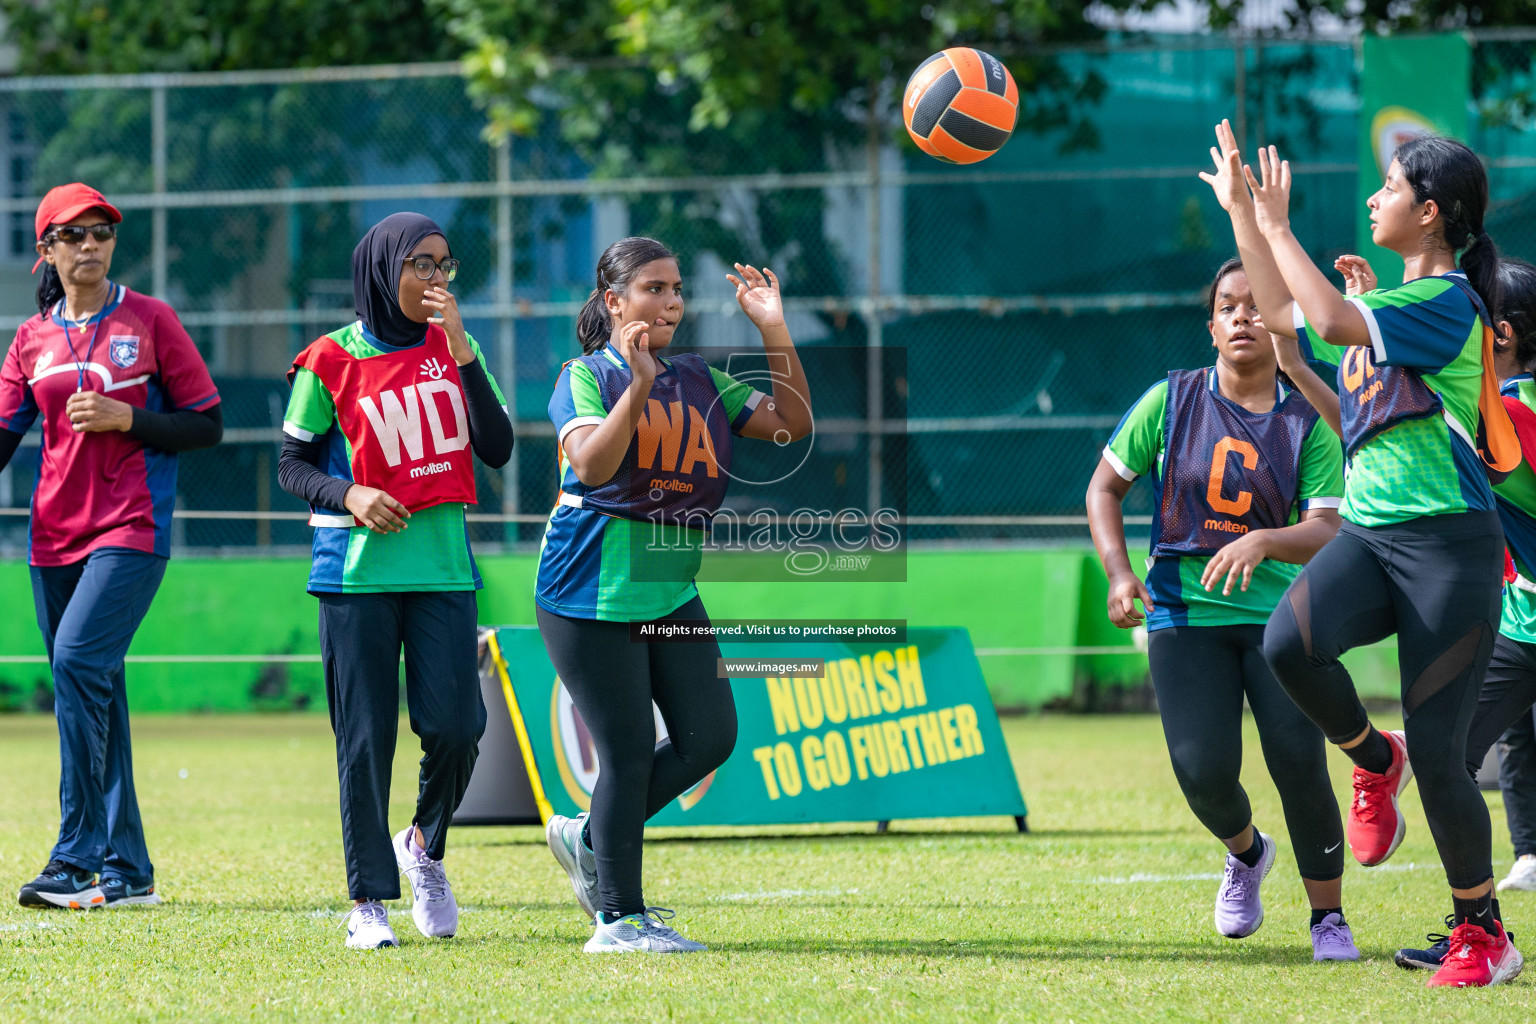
597 566
1516 498
1137 448
1421 460
431 554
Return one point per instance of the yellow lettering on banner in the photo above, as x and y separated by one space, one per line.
832 700
909 727
951 734
808 700
875 738
970 736
858 705
894 748
788 767
867 670
764 757
890 690
837 758
933 740
913 695
860 751
815 764
783 703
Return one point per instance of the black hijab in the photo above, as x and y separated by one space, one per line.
376 266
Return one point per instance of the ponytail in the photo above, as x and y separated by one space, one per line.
620 264
50 289
593 324
1480 261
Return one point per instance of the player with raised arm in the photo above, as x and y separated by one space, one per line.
1420 554
601 571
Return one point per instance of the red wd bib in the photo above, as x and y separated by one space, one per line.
402 413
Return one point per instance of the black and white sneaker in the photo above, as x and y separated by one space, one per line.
120 894
62 885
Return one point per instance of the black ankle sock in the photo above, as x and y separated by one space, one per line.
1319 913
1250 857
1478 911
1498 915
1373 753
607 918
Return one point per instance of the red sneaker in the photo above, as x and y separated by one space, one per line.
1476 959
1376 826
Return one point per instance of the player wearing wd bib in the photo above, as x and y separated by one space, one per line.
1420 553
120 389
1245 478
645 452
383 417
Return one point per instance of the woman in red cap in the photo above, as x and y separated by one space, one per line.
121 389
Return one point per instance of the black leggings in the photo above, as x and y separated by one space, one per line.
1433 581
1509 690
613 680
1201 674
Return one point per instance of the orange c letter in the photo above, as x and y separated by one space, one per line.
1225 447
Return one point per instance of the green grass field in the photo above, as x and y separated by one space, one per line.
1103 913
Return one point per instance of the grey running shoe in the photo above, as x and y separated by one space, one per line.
641 933
433 907
1239 911
368 927
580 864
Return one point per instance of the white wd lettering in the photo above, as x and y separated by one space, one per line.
399 424
460 438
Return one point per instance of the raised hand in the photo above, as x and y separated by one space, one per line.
1271 191
1358 275
447 317
757 292
1227 180
634 345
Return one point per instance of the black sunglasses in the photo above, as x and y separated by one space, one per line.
74 234
426 266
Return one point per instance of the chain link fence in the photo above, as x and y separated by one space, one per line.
972 333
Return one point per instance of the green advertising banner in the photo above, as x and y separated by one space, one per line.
1410 85
901 730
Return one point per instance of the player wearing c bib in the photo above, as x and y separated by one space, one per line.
381 426
1420 554
1245 480
646 444
120 389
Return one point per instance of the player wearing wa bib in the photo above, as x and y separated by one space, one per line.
1245 478
383 421
646 442
120 389
1420 554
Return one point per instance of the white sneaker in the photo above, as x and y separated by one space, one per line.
641 933
564 837
1521 877
433 907
368 927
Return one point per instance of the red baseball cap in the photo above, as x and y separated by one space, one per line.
65 203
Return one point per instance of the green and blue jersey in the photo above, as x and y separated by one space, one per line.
1516 498
1139 447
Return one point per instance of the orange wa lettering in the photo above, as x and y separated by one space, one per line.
661 433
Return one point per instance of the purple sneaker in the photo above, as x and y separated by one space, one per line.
1332 940
1238 910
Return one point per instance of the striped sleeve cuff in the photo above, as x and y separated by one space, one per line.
1378 348
579 421
1119 467
293 430
1307 504
206 402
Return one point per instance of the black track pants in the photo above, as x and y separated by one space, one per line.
1434 582
613 681
1202 674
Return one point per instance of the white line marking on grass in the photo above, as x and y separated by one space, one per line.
1138 878
25 926
785 894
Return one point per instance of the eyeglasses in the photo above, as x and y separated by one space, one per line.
426 266
74 234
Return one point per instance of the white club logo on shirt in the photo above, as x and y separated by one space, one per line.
43 362
433 369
